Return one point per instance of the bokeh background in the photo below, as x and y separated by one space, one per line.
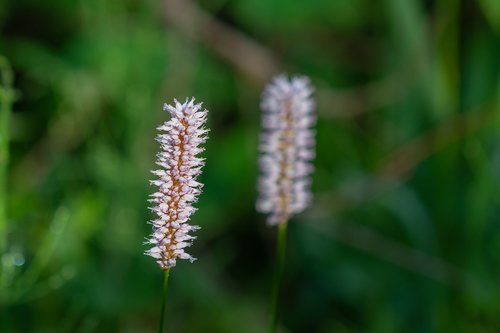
404 233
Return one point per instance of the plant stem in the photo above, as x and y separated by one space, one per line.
6 100
164 300
278 275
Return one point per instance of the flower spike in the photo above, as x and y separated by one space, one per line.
287 148
178 189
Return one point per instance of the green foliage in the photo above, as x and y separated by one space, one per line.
404 235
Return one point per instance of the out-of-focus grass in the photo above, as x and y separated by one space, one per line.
404 234
6 101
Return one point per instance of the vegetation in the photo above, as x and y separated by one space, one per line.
404 231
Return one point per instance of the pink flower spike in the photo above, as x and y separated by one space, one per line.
176 182
287 148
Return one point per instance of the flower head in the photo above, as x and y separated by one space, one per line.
176 182
287 148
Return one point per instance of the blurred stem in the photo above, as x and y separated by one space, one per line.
278 275
6 99
447 67
411 34
164 300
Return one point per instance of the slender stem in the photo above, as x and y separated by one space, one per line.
278 275
164 300
6 100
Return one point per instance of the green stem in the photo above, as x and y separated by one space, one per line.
278 275
164 300
6 100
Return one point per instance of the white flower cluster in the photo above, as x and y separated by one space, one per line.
177 185
287 148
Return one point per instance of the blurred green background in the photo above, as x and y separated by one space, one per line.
404 234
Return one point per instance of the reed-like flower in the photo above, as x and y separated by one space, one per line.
177 185
287 148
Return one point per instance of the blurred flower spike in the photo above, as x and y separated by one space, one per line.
287 148
178 189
